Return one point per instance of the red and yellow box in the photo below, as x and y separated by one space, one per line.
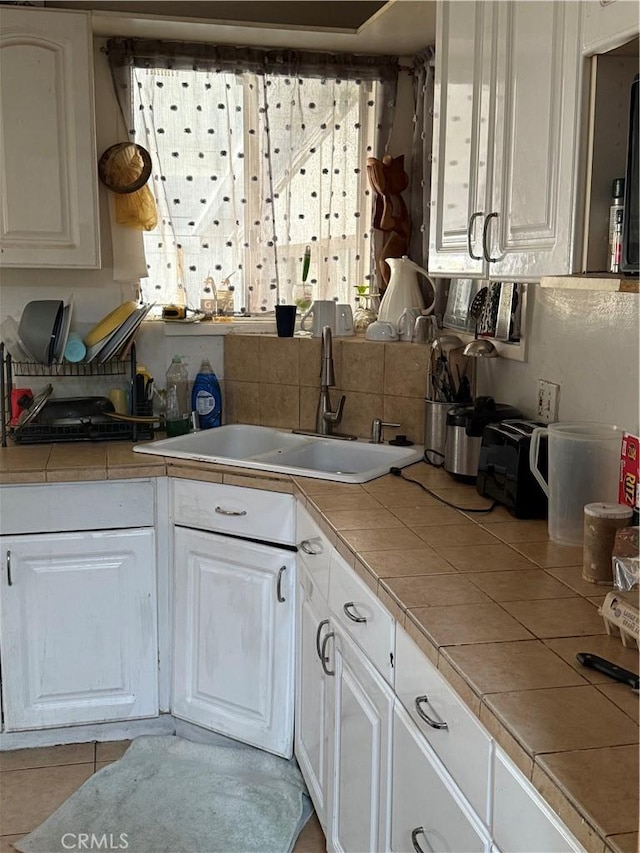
629 491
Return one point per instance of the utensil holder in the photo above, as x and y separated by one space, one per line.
435 431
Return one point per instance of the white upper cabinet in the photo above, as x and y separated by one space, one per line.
507 97
607 24
48 171
460 137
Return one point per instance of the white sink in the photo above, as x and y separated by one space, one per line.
266 449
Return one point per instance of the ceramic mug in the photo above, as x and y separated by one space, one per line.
344 320
322 313
381 330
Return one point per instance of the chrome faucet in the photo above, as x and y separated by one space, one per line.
325 417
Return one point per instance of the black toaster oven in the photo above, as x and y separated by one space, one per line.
503 469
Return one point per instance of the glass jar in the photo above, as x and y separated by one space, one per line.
366 311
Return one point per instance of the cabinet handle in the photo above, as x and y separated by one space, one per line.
485 235
307 547
279 594
323 655
318 632
353 616
221 511
472 219
419 830
438 723
9 578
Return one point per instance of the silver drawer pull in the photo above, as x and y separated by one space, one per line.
485 238
279 594
238 512
438 723
321 625
9 578
419 830
324 658
307 547
353 616
469 230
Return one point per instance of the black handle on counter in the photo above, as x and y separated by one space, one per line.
607 667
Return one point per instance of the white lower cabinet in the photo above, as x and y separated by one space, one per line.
453 732
522 821
360 790
78 628
233 638
313 719
429 813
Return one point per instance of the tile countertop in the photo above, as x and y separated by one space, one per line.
497 607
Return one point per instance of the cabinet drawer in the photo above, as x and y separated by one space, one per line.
233 509
428 811
314 550
463 746
362 615
522 821
67 507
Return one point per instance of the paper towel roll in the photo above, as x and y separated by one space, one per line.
601 520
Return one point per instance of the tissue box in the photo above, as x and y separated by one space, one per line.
628 490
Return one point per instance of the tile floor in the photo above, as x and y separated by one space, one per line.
35 782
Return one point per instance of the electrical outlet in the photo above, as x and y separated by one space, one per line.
548 400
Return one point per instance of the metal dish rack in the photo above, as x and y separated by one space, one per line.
85 429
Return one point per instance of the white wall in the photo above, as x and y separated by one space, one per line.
586 342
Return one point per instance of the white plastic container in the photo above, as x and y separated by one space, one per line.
583 466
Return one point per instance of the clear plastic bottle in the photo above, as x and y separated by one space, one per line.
178 378
206 398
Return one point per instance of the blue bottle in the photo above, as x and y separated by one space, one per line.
206 398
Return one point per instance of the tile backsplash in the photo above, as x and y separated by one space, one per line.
275 382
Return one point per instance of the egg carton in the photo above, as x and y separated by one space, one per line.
621 616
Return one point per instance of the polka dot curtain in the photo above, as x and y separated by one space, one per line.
256 155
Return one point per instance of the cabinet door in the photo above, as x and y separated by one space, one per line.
536 174
312 714
461 137
78 631
429 813
360 799
48 183
233 638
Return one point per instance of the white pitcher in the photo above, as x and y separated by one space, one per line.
403 290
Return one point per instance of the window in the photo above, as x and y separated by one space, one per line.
256 157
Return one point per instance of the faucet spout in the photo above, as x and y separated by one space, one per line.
327 374
325 416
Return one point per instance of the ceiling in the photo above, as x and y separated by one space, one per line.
398 27
349 15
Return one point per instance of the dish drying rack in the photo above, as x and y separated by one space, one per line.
84 429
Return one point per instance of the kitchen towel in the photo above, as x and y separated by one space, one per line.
171 795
